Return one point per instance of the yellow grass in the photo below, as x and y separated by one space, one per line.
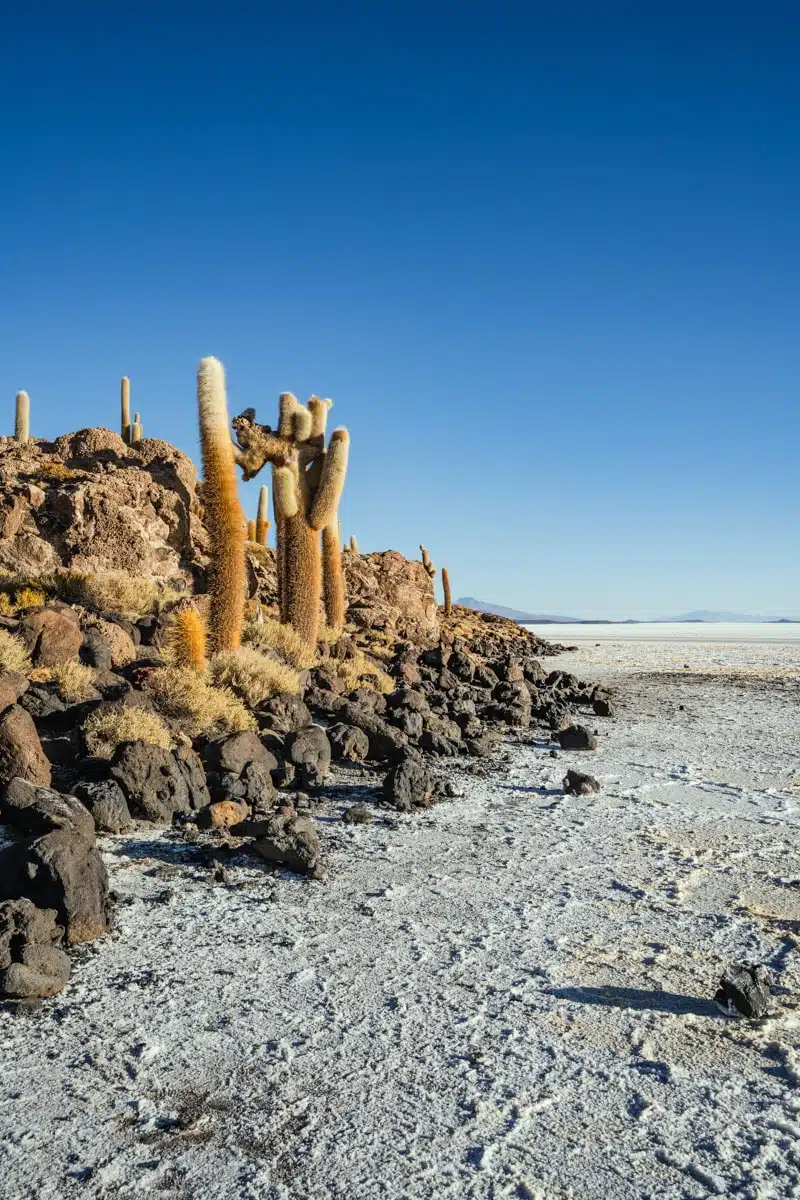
252 675
272 635
75 681
180 693
14 654
104 731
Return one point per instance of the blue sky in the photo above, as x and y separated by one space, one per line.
544 258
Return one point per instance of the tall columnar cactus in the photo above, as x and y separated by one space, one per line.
307 483
448 599
223 513
137 430
22 418
262 520
427 561
125 407
333 576
353 543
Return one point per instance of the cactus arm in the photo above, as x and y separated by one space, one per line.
329 492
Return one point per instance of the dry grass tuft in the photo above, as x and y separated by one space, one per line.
75 681
252 676
55 471
14 654
272 635
107 591
104 731
361 671
187 697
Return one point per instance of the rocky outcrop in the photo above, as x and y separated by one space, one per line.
391 593
91 503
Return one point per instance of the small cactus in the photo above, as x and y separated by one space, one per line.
125 406
187 639
251 531
262 520
353 543
427 561
448 599
137 431
22 420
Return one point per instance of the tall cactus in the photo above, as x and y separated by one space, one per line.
262 520
125 408
223 512
333 576
448 599
307 483
22 418
427 561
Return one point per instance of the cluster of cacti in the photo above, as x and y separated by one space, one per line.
22 418
448 599
307 483
427 561
223 513
132 430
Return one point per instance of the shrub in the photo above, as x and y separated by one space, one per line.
180 693
104 731
252 675
14 654
107 591
75 681
361 671
272 635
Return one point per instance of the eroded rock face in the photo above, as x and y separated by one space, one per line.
21 752
89 502
387 591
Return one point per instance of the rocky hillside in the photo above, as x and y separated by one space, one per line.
103 729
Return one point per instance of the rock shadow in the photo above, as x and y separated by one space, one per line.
639 998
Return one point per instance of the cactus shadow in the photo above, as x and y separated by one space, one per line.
640 999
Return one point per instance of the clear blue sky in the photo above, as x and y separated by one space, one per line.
545 258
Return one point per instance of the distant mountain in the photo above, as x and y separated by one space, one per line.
513 614
705 614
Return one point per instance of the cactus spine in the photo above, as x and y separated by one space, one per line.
427 561
262 521
333 576
125 406
448 599
137 431
307 482
353 543
22 418
187 639
223 511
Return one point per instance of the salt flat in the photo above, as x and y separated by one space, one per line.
506 997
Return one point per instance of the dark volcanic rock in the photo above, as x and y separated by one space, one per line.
283 714
409 785
37 810
106 802
348 743
602 706
310 751
31 964
152 782
577 737
747 989
234 752
21 752
357 814
63 871
576 783
285 839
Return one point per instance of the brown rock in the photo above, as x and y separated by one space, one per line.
387 591
51 636
222 815
12 686
20 749
119 644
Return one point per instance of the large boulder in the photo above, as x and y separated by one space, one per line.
52 635
106 802
285 839
409 785
239 772
34 810
152 782
21 752
310 751
348 744
31 963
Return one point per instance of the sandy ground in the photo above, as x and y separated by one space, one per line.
507 997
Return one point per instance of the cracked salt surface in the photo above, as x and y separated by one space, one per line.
508 996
